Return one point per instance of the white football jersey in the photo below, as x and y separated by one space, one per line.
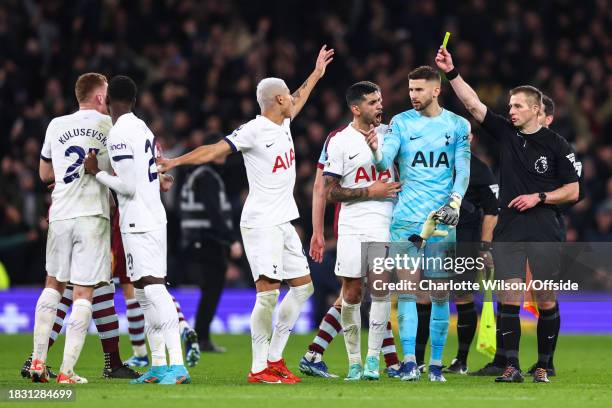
68 140
131 139
350 159
269 158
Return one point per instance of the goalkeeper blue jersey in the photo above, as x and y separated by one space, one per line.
433 158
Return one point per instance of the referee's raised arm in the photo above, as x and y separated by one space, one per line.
464 92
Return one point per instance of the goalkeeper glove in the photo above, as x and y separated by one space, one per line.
449 213
428 230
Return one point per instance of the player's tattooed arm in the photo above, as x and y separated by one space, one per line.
379 190
300 96
299 91
335 193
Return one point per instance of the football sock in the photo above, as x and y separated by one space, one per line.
107 322
261 328
182 325
328 329
466 329
76 331
407 320
46 309
288 313
62 310
554 345
547 332
438 329
136 327
154 335
350 317
500 354
380 312
424 313
388 347
511 332
168 321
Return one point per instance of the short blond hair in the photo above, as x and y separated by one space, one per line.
86 84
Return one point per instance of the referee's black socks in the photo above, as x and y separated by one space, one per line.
500 354
466 328
548 324
511 333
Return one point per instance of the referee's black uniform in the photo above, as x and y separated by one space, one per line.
206 235
529 163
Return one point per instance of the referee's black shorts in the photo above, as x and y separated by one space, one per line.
533 237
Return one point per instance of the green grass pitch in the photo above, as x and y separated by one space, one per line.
583 363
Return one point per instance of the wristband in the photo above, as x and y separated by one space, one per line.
452 74
485 246
417 240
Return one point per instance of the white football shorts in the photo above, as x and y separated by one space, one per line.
146 253
275 252
78 250
350 261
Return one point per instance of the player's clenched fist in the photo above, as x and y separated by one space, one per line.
91 164
444 60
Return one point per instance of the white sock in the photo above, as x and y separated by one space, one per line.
164 307
288 313
182 325
350 317
261 328
380 312
44 317
154 335
76 331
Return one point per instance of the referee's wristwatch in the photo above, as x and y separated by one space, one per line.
542 197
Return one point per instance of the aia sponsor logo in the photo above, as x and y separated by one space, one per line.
285 161
373 175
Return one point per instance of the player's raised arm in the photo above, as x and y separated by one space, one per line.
303 92
200 155
464 92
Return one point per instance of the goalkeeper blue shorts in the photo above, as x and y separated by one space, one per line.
438 253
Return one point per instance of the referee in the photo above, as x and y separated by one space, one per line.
536 175
546 118
208 239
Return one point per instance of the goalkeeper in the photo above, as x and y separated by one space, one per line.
430 145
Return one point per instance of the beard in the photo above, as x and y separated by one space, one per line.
424 104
